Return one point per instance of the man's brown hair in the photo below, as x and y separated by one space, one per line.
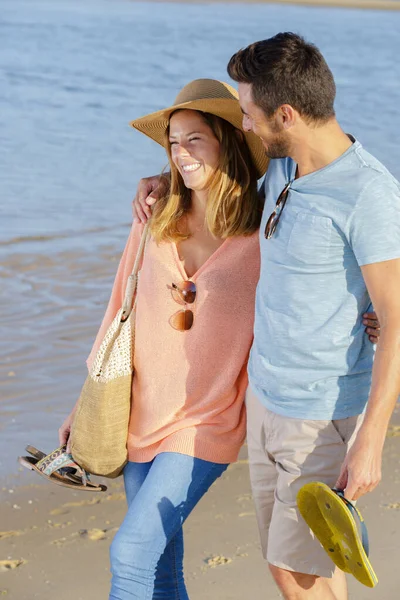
285 69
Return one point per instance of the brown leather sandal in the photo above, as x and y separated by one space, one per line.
60 468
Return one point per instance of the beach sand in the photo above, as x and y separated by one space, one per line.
54 541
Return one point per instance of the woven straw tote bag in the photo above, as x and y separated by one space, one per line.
100 428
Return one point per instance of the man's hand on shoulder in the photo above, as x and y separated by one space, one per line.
149 190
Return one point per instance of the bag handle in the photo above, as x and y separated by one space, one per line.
131 284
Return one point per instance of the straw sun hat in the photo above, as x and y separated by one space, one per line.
205 95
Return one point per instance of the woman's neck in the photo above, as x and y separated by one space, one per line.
197 213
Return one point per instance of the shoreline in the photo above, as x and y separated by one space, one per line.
386 5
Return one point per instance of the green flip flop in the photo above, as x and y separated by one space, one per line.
339 527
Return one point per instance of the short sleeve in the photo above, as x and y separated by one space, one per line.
374 226
118 291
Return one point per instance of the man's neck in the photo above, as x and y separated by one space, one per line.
318 147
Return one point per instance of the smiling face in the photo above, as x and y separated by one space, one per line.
195 150
270 130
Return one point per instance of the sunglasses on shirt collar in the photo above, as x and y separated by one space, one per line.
275 216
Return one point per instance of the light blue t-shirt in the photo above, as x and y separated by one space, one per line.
311 358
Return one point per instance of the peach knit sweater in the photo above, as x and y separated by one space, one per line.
189 387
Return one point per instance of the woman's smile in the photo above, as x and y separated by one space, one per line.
194 148
190 167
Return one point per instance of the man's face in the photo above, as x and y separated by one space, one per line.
270 130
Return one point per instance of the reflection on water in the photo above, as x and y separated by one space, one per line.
72 76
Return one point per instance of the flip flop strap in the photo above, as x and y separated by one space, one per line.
358 519
59 459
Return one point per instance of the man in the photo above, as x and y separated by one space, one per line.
330 244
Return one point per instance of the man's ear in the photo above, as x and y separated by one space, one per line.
287 116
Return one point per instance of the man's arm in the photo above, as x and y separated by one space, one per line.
361 471
150 189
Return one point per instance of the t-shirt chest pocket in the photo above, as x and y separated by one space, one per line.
310 238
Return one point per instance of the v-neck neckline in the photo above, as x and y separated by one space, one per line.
204 266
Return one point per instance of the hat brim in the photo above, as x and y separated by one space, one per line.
155 125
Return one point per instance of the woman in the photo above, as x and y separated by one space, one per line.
194 325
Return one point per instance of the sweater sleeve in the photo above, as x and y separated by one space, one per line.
118 291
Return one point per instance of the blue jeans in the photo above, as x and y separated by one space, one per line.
147 552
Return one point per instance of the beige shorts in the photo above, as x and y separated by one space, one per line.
284 454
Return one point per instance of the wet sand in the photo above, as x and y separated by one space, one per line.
52 298
54 541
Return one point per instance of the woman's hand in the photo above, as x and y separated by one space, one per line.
149 190
372 327
65 430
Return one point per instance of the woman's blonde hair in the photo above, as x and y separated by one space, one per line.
233 206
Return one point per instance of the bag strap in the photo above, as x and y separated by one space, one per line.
131 284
